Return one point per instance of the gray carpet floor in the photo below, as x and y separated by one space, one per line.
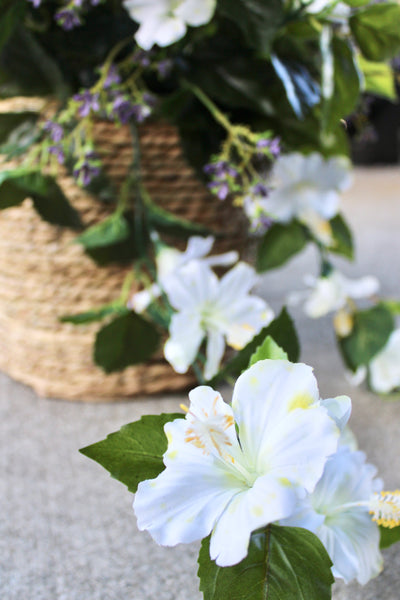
67 530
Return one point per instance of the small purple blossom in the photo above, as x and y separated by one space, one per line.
220 188
87 168
67 19
55 130
273 145
88 103
58 152
112 78
164 67
223 176
260 189
142 58
123 109
36 3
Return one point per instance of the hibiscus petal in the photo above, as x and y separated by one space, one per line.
237 283
214 353
191 285
186 335
265 502
194 12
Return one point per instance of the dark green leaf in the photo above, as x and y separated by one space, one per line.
283 563
371 330
258 20
13 122
301 89
48 199
166 222
268 349
280 243
346 82
11 14
127 340
376 30
134 453
281 330
343 239
94 315
389 536
111 230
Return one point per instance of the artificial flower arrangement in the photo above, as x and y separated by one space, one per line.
273 484
259 92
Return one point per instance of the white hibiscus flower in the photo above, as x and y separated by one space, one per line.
163 22
307 187
221 310
338 512
169 260
384 368
331 293
230 470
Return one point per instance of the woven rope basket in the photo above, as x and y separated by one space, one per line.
43 275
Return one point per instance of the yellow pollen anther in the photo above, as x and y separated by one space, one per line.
184 408
385 508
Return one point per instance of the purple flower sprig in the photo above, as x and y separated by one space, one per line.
270 147
67 18
125 109
223 178
88 102
87 168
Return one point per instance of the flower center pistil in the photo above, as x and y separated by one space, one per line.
210 434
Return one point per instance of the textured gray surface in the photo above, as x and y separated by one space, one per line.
67 530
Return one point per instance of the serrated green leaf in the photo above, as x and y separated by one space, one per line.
281 330
379 78
283 563
134 453
111 230
268 349
343 239
389 536
127 340
371 330
280 243
98 314
376 30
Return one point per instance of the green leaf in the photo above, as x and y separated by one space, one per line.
166 222
281 330
283 563
127 340
302 91
346 80
13 122
379 78
12 13
371 330
389 536
280 243
376 30
98 314
342 236
258 20
48 199
393 306
111 230
134 453
268 349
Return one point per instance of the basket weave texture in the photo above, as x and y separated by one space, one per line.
44 275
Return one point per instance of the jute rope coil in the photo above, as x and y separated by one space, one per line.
44 275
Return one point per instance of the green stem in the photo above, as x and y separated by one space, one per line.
208 103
